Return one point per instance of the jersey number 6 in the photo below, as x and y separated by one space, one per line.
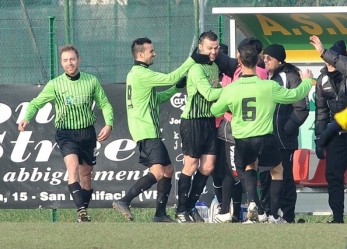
249 113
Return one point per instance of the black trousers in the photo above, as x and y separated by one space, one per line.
288 193
336 165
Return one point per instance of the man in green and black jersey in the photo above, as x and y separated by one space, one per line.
198 129
74 93
142 103
252 102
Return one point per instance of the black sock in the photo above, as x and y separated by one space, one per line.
251 186
87 195
141 185
198 184
228 185
217 186
275 195
237 198
184 184
75 191
163 192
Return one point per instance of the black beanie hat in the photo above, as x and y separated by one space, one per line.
276 51
339 47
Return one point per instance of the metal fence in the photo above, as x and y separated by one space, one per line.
103 31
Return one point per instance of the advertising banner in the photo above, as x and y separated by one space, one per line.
32 170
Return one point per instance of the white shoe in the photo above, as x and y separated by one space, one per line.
279 220
252 212
223 218
247 221
213 210
262 218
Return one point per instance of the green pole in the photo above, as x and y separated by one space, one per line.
169 33
220 28
72 12
52 47
54 215
196 16
67 22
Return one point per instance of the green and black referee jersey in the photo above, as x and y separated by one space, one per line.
252 102
202 88
73 101
142 100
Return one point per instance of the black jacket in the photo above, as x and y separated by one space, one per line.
331 92
226 64
288 118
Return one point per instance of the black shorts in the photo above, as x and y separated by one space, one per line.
264 148
81 142
153 151
198 137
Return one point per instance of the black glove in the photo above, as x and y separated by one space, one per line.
182 82
319 149
200 58
329 133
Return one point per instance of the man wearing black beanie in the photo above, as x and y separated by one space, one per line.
276 51
287 120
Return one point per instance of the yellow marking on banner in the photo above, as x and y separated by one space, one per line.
303 56
331 31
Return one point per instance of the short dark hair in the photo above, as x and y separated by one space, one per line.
208 35
137 45
248 55
69 47
252 41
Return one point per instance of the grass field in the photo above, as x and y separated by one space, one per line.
34 229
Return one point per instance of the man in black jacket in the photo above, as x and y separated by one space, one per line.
331 97
287 120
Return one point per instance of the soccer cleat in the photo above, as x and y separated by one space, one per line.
223 218
252 212
164 218
248 221
335 222
83 216
300 221
124 209
195 216
262 218
89 219
213 210
183 217
279 220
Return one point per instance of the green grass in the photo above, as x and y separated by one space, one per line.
34 229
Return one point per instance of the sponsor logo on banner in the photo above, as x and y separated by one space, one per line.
179 100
